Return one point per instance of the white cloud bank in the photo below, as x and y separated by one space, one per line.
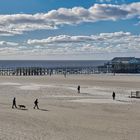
104 43
15 24
101 43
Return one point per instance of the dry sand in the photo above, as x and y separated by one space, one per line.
66 115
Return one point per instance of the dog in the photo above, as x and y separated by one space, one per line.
22 106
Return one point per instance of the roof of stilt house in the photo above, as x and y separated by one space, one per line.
125 60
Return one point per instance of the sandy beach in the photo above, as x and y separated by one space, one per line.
66 115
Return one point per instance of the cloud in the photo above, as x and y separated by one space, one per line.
7 44
78 39
101 43
104 1
16 24
107 1
7 48
138 23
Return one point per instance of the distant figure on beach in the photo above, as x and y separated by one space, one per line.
78 88
65 74
36 104
113 95
14 103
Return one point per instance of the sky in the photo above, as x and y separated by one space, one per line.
69 29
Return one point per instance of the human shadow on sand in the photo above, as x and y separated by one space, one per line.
123 101
43 109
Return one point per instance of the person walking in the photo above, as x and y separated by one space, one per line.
78 88
14 103
113 95
36 104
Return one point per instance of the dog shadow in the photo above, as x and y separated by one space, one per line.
24 109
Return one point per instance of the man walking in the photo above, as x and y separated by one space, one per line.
113 95
36 104
78 88
14 103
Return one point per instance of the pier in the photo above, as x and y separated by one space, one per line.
40 71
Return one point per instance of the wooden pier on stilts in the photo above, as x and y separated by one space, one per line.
40 71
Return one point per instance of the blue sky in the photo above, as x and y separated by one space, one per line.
69 29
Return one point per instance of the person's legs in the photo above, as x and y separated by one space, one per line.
37 106
113 97
15 106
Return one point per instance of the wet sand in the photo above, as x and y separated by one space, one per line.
66 115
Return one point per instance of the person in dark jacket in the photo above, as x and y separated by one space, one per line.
14 103
36 104
113 95
78 88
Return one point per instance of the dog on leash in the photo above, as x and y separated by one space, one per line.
22 106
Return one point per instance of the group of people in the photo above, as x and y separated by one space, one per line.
14 105
36 101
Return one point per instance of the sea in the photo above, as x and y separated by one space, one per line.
50 63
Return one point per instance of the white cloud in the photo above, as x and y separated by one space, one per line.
115 1
8 48
101 43
138 23
78 39
7 44
104 1
104 43
18 23
64 44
